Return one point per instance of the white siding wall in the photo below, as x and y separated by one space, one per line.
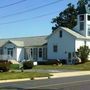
9 45
20 54
65 44
79 43
88 43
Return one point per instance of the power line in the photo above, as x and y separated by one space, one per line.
29 10
28 19
8 5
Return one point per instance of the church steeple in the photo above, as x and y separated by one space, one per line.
83 19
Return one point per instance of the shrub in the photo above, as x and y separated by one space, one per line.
63 61
49 62
83 53
27 64
4 65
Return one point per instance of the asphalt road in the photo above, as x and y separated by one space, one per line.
70 83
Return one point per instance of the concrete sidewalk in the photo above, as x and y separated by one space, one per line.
69 74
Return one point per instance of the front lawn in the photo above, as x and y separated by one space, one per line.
21 75
85 66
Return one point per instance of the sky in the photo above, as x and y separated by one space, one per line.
27 18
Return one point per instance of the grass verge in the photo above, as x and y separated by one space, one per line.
82 67
21 75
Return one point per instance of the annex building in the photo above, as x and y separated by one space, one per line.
60 44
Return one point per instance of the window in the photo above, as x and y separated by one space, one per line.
88 17
88 33
69 57
60 33
73 54
55 48
88 5
88 30
31 52
81 25
1 51
40 52
81 17
44 53
10 51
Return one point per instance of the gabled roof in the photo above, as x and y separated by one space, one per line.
32 41
71 32
17 43
26 41
2 42
75 34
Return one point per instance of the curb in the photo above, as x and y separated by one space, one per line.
55 75
26 79
14 80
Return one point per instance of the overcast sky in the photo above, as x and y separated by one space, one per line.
23 18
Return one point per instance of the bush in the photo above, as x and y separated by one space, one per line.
63 61
4 65
27 64
49 62
83 53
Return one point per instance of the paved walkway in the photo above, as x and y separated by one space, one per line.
69 74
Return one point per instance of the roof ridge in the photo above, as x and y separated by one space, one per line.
73 32
24 37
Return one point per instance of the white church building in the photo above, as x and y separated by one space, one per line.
60 44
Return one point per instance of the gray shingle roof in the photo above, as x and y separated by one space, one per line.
33 41
25 41
17 43
2 42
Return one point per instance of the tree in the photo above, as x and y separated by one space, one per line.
83 53
67 18
81 6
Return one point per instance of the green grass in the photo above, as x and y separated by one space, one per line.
14 66
85 66
21 75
